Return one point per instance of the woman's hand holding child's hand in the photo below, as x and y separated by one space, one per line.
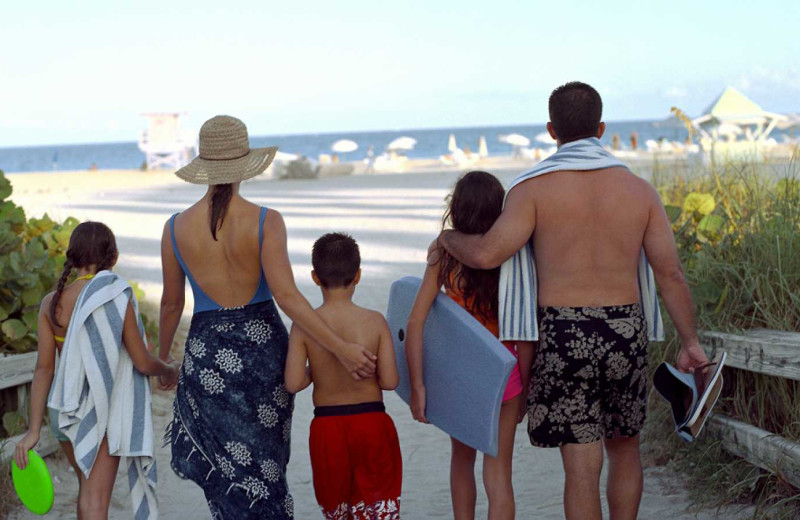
358 360
27 443
418 404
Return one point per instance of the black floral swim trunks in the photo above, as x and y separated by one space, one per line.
589 377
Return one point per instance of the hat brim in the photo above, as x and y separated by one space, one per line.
204 171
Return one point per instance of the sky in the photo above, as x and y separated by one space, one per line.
85 71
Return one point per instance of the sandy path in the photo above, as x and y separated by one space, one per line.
393 218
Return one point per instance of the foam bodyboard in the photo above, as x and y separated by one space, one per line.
465 367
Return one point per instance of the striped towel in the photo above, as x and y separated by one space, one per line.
518 286
99 393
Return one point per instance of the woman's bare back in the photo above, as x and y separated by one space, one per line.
227 269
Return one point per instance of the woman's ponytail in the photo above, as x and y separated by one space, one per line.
59 289
221 196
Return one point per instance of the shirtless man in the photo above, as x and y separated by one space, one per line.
355 452
589 377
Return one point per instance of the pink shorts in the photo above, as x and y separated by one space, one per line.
514 385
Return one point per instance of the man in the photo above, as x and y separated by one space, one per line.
589 228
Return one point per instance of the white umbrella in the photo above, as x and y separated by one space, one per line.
344 146
515 140
402 143
451 144
545 138
483 150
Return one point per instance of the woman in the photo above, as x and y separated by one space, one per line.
232 415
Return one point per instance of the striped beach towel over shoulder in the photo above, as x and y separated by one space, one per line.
99 393
518 285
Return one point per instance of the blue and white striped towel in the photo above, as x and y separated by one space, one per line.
99 393
518 284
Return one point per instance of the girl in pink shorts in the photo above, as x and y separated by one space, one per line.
475 204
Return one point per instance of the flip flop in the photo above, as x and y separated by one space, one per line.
691 396
33 484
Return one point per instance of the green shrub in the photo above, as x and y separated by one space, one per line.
31 259
737 227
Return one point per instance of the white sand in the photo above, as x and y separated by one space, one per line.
394 218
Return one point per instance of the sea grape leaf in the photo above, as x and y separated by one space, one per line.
5 186
711 225
14 329
673 213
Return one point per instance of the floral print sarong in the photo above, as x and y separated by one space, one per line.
589 377
232 414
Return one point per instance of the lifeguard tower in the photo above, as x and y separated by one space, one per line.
164 143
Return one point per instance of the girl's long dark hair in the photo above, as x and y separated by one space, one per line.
91 243
473 207
221 195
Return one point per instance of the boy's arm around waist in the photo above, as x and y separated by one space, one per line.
296 375
387 364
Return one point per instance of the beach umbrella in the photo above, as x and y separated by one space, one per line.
545 138
451 144
402 144
483 150
344 146
514 140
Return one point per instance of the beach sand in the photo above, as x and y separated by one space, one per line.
394 218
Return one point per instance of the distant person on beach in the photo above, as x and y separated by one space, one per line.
232 414
634 140
370 160
92 250
355 452
474 206
589 228
615 141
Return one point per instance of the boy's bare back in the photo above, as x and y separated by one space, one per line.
333 384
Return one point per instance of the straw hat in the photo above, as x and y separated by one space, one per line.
225 154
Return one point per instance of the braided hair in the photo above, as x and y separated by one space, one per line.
91 243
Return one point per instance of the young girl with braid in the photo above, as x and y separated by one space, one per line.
92 248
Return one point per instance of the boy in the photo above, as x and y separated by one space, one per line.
355 453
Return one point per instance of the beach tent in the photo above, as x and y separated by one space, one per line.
734 109
165 144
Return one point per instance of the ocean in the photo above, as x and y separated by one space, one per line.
431 143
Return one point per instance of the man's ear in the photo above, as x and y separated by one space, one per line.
357 278
315 278
551 131
601 129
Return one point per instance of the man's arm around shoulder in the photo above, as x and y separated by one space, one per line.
508 235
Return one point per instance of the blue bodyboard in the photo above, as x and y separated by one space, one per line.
466 368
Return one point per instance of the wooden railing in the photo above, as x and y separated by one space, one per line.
765 352
17 372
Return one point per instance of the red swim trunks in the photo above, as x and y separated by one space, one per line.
355 457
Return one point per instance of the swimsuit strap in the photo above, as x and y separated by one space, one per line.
59 338
85 277
261 219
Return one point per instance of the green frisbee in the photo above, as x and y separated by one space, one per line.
33 484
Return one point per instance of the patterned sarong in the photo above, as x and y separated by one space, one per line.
233 416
